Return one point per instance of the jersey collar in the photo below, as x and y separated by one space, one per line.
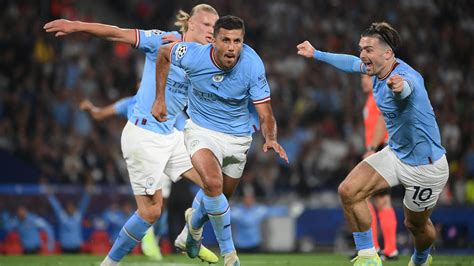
395 64
214 61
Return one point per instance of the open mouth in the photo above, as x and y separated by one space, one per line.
209 39
229 56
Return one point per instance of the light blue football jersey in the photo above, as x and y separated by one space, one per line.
411 123
149 42
124 106
218 99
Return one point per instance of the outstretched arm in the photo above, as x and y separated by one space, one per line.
97 113
344 62
269 129
163 62
109 32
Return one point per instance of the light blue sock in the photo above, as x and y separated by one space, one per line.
198 199
420 257
200 215
363 240
130 235
218 211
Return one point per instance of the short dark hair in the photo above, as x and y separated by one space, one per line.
229 23
385 33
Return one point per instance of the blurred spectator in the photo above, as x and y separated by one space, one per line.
247 218
70 222
115 217
28 225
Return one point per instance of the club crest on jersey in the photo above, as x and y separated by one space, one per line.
181 51
218 78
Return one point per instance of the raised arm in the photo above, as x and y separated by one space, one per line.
269 129
84 203
163 62
58 210
109 32
344 62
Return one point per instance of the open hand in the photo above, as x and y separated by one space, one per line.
277 148
86 105
60 26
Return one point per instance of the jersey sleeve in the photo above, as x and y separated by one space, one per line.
344 62
122 106
148 41
185 54
258 85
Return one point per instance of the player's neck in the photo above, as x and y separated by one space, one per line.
218 62
188 37
387 69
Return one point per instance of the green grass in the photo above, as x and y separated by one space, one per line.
259 259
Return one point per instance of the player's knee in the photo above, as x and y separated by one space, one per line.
213 186
150 214
413 226
346 193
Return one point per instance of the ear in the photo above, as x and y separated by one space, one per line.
388 54
190 24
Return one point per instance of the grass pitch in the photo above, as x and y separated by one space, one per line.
251 260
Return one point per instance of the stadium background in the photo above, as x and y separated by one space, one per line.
46 139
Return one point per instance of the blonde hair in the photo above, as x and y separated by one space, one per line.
182 18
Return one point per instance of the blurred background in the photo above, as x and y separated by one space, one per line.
51 150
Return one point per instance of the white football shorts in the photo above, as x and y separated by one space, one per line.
422 183
149 155
231 151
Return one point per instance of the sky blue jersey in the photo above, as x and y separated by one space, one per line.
149 42
411 123
218 99
70 226
28 229
124 107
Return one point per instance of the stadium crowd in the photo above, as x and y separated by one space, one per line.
319 111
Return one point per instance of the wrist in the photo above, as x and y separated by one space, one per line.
316 54
78 26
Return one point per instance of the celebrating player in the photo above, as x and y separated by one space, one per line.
151 148
224 76
414 156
